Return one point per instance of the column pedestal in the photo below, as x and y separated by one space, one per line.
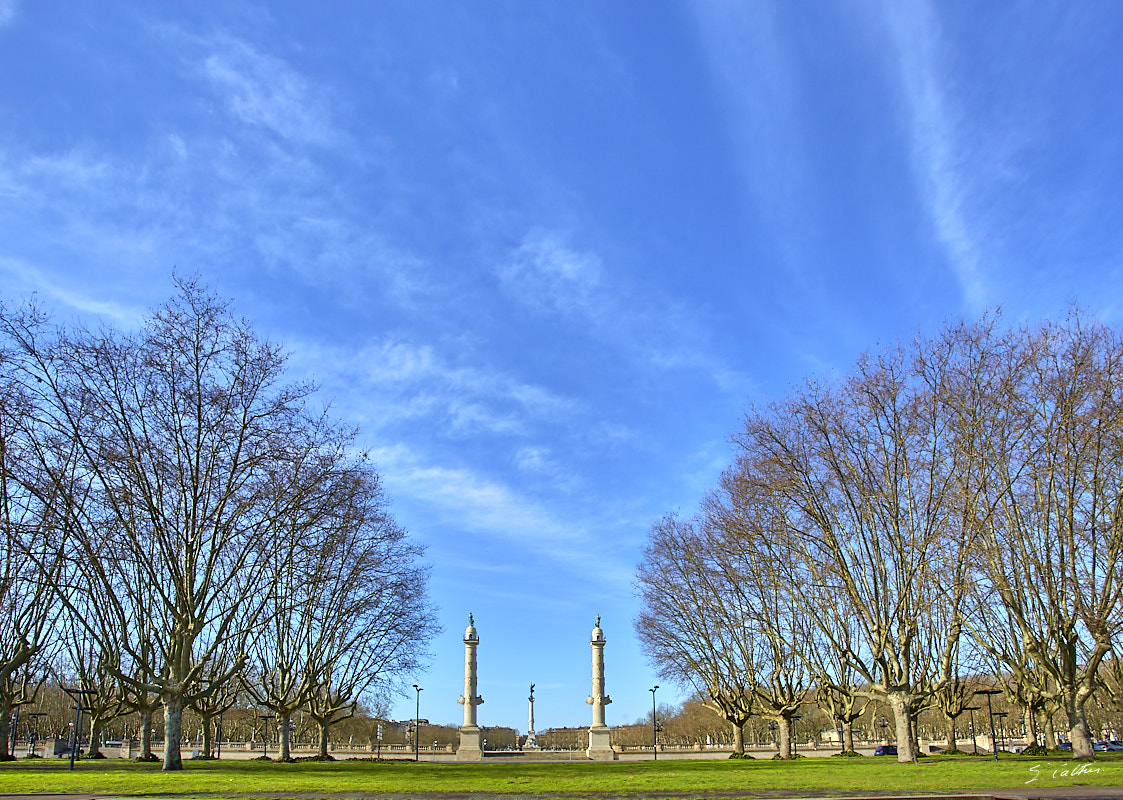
600 747
470 749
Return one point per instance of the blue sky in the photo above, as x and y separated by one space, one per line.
545 254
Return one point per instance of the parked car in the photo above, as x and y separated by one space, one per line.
1108 747
1064 746
885 750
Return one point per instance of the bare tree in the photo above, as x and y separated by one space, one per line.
186 432
372 620
746 537
692 723
861 474
34 521
216 698
1052 551
136 693
838 691
351 611
970 482
279 675
693 628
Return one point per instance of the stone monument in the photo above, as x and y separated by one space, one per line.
600 747
470 749
531 741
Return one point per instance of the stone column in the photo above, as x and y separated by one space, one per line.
600 747
470 732
531 741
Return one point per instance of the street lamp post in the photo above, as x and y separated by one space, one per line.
654 729
76 737
791 728
974 737
1002 728
990 713
417 725
265 733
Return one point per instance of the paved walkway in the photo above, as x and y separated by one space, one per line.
1057 793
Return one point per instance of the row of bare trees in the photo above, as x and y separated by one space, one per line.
244 724
183 523
948 507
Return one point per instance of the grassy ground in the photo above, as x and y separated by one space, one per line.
664 778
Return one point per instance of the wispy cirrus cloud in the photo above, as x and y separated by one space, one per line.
195 194
259 88
548 273
939 143
544 271
72 213
31 279
753 73
400 380
539 462
263 90
487 508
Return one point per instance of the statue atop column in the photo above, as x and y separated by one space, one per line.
600 746
469 749
531 741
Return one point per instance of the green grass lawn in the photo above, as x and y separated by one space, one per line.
691 778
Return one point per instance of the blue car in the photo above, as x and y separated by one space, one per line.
885 750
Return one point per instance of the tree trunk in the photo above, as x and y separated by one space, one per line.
848 736
324 726
1050 732
208 743
1031 727
283 736
1078 729
949 733
738 739
785 726
902 716
96 724
5 732
173 733
146 733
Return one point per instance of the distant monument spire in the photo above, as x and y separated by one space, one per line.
531 741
